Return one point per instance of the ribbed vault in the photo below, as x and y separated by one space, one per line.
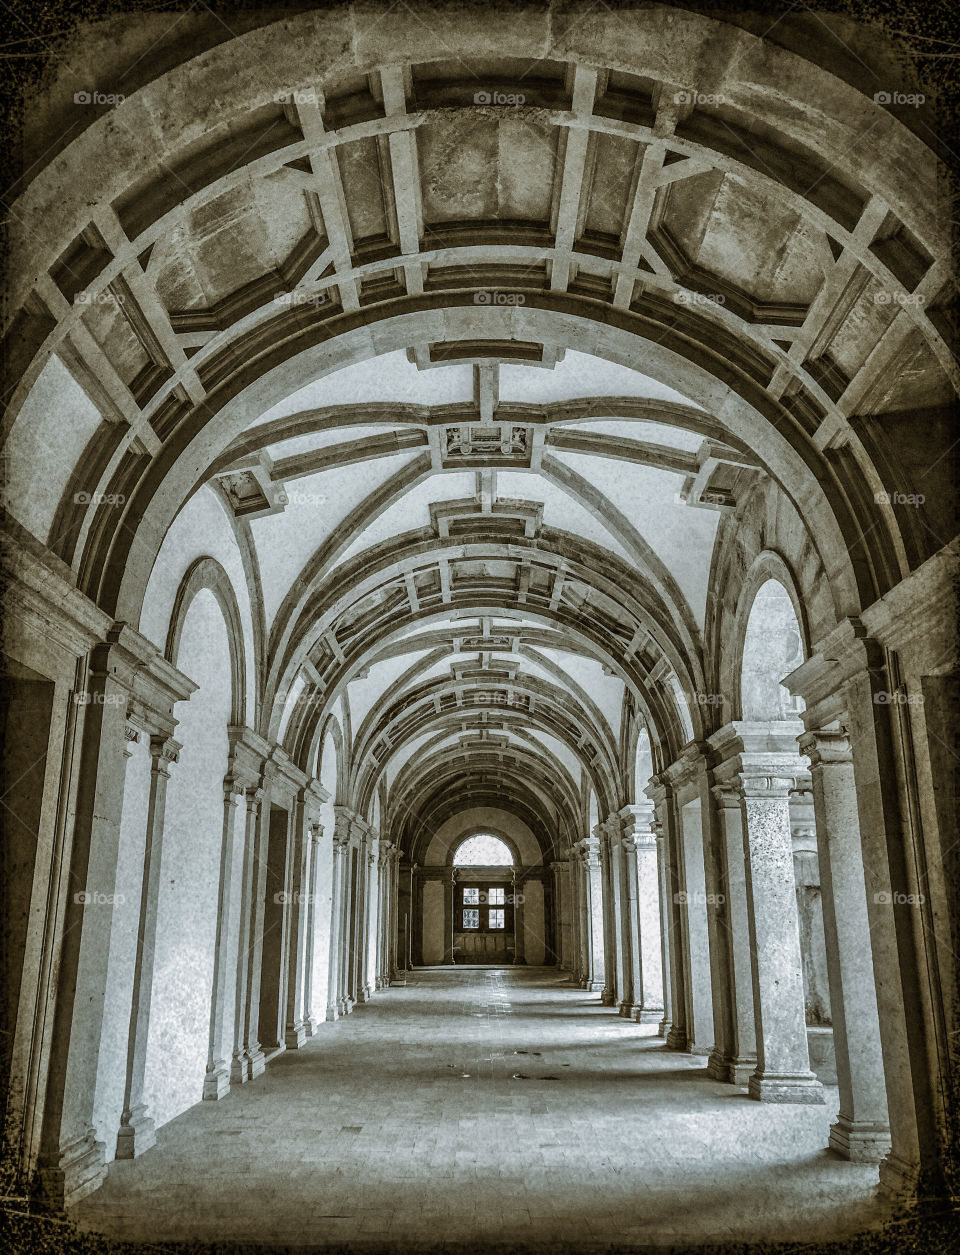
486 350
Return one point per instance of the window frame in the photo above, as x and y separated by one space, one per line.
484 907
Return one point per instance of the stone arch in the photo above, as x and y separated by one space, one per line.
207 573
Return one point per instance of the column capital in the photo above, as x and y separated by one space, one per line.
727 792
589 851
768 778
131 737
316 831
826 747
165 751
254 798
692 760
233 789
659 788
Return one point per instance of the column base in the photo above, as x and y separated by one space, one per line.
629 1010
718 1066
648 1015
592 986
247 1064
216 1084
734 1071
365 993
663 1028
861 1142
676 1038
311 1024
79 1170
295 1036
742 1068
799 1087
136 1134
333 1011
699 1052
607 997
398 980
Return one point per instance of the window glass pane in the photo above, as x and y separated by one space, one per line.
471 897
496 919
471 919
483 850
495 897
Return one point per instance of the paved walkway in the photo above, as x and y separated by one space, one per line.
485 1107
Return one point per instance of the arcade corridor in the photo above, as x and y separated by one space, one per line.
372 1133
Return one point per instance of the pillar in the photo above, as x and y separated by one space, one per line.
335 1007
740 1062
663 884
298 909
861 1131
136 1133
309 1016
661 793
248 1060
756 758
609 911
593 923
216 1081
640 849
519 950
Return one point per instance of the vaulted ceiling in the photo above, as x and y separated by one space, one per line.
478 335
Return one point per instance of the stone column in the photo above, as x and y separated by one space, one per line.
766 771
865 675
381 911
310 1020
216 1081
640 845
661 793
369 929
861 1130
295 1026
136 1133
610 900
248 1060
337 892
395 969
575 873
663 883
344 850
252 1045
519 953
358 919
742 1060
593 980
122 678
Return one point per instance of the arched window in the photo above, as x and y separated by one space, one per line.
483 850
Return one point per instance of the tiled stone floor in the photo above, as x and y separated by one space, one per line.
420 1120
